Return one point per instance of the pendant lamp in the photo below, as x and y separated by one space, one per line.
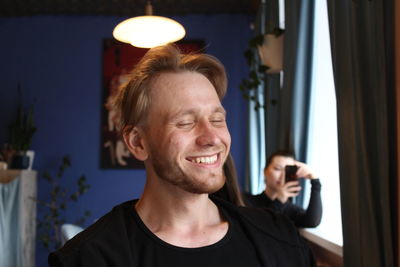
148 31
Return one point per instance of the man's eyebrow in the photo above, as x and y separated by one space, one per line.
194 111
183 113
220 110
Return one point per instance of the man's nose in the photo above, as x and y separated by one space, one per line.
207 134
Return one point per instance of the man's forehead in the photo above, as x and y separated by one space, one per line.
184 90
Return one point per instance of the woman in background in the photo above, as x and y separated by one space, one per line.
278 192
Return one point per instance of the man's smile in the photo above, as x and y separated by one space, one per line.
204 159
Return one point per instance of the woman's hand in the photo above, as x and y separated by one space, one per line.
287 190
304 171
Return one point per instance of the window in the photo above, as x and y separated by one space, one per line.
322 142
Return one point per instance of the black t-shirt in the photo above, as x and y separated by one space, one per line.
255 238
234 249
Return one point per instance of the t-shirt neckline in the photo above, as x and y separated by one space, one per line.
161 242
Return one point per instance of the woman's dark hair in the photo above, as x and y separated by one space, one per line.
230 191
282 153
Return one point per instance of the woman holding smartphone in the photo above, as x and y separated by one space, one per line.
281 178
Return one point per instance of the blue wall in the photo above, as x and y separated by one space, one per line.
58 61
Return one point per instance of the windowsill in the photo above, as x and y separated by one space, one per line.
323 243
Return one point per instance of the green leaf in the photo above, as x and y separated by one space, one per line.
56 189
248 54
74 197
47 176
257 40
263 68
66 161
277 32
253 75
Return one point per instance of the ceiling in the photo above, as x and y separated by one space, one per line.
125 7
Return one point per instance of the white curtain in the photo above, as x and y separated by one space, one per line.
9 224
18 218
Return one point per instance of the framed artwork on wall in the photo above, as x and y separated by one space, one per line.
118 59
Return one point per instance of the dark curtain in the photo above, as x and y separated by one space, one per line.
362 91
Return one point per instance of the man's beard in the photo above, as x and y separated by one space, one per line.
172 173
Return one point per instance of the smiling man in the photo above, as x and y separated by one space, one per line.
172 119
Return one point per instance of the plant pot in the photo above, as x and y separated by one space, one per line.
22 160
271 52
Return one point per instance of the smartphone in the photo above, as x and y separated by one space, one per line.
290 173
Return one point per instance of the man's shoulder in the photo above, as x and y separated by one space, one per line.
107 231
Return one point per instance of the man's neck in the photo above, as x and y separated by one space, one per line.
181 218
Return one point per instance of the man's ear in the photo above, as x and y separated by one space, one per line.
135 142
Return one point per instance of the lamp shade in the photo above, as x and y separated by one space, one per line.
148 31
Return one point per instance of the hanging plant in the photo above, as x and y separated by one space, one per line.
258 71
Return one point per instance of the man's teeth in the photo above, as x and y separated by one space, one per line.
208 160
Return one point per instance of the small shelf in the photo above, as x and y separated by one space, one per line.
7 176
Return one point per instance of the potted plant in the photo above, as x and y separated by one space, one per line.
53 209
21 132
263 56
